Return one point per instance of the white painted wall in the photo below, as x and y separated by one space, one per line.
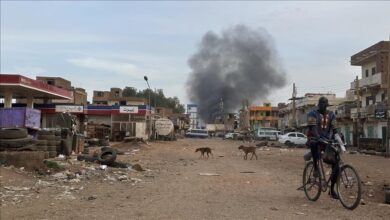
368 66
140 130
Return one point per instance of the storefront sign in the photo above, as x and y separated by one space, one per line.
380 114
128 109
70 108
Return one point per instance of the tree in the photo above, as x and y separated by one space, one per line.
129 92
157 98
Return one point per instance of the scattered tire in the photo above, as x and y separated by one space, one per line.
86 157
46 137
107 157
15 143
13 133
52 154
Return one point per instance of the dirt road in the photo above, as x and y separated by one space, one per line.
172 188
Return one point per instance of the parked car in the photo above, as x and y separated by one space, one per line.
269 134
229 135
197 133
290 138
220 134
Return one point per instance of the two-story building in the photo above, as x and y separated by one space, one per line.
370 90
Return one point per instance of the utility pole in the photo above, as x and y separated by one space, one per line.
357 125
388 100
222 115
294 95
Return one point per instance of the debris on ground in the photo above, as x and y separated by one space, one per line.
137 167
208 174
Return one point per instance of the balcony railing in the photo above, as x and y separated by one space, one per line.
373 80
369 110
265 118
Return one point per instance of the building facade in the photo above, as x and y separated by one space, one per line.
263 116
78 95
370 116
194 119
302 107
115 97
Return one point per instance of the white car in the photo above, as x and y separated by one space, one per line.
296 138
197 133
229 136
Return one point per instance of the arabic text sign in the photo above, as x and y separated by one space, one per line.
163 126
70 108
128 109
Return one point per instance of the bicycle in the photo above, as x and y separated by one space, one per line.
348 183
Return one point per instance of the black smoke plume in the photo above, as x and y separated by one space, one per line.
239 64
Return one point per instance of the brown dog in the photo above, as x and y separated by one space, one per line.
248 150
204 150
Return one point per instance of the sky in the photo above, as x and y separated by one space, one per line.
104 44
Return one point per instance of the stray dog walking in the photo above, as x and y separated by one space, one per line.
248 150
203 151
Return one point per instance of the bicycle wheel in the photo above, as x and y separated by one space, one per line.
349 187
311 184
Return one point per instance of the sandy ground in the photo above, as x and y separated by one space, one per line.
171 187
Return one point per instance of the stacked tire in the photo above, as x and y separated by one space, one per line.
41 145
14 139
49 138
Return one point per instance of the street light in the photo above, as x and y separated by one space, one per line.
150 108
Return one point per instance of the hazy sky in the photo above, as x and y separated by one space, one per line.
102 44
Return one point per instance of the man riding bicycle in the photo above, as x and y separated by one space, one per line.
322 127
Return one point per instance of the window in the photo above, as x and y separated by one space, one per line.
116 94
372 99
373 70
383 97
292 135
366 73
99 94
301 135
50 82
